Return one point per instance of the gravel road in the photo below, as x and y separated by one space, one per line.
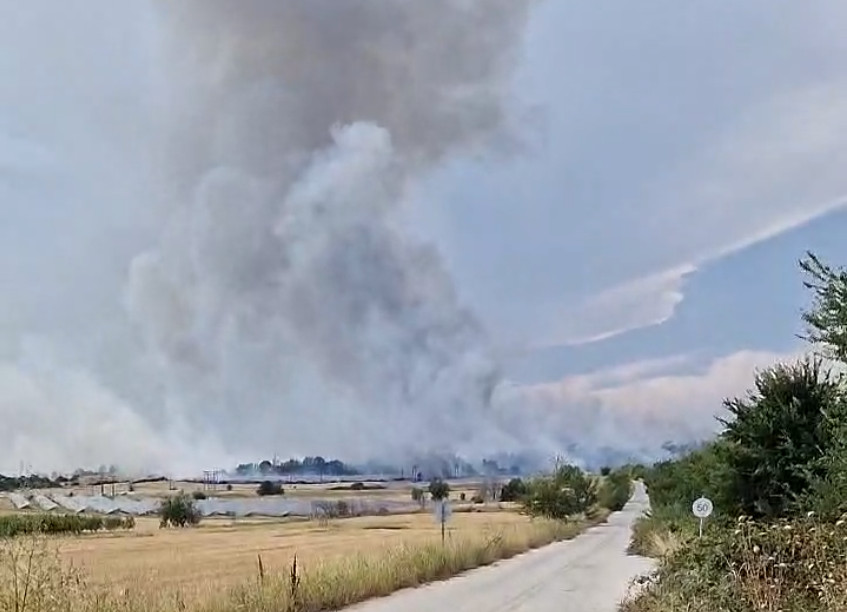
591 573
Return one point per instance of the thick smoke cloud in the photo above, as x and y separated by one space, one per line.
284 305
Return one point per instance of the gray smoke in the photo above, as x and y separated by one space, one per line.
285 306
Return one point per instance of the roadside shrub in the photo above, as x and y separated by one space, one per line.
704 472
179 511
514 490
198 495
568 492
615 490
418 495
780 435
791 565
605 470
268 487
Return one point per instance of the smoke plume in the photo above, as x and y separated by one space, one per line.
284 305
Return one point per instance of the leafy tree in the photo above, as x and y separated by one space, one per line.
780 435
605 470
826 321
680 481
268 487
179 511
615 490
438 489
514 490
568 492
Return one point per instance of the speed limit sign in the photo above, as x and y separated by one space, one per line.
703 507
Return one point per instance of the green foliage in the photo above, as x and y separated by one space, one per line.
515 490
179 511
779 436
826 321
438 489
790 565
704 472
418 495
782 459
198 495
568 492
268 487
605 470
12 525
615 490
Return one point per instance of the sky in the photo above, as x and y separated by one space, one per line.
581 229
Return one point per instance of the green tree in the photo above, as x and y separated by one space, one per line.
514 490
780 435
438 489
568 492
826 321
615 490
267 487
179 511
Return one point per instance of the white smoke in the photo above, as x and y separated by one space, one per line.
282 305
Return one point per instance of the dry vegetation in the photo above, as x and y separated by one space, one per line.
247 566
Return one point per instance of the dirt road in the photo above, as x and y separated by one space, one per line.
589 574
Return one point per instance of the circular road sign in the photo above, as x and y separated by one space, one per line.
702 507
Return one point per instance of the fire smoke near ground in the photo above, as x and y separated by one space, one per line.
271 299
282 306
284 302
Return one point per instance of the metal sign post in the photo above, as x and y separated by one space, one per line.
702 509
442 515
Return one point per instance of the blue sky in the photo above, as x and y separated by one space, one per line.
633 259
682 158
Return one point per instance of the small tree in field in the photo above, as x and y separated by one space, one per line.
268 487
418 496
514 490
568 492
439 490
179 511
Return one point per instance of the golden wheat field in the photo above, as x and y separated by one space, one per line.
222 552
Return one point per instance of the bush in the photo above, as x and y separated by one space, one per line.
438 489
615 490
515 490
357 486
418 495
793 565
268 487
179 511
13 525
780 436
198 495
605 470
568 492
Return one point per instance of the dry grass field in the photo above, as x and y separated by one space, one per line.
216 566
221 552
